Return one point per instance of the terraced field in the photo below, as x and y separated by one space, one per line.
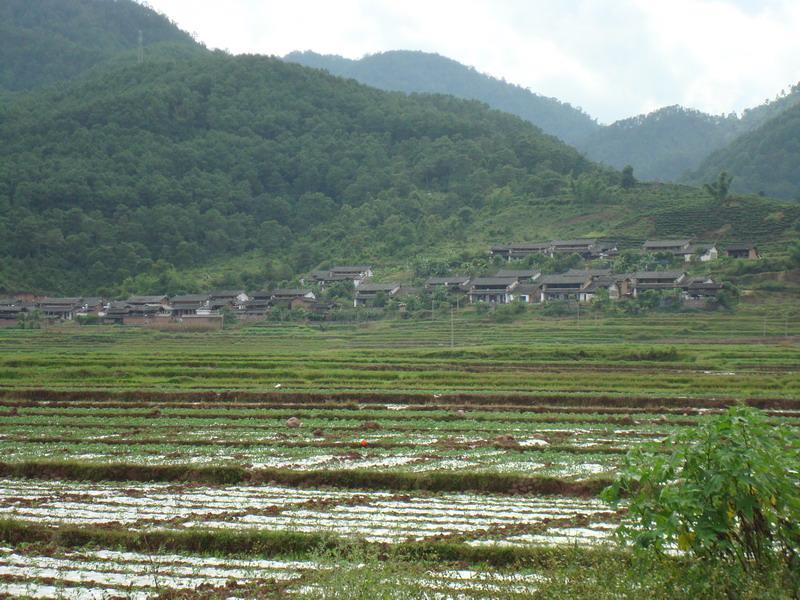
240 463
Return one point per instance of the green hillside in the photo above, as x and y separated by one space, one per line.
187 160
766 160
667 143
423 72
45 41
661 145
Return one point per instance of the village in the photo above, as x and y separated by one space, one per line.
208 311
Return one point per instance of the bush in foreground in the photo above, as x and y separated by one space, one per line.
727 494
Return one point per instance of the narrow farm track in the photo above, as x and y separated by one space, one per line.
138 463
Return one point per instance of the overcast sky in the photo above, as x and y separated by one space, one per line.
613 58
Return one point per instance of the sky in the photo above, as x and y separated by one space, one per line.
612 58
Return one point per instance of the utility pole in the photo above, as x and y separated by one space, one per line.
141 47
452 330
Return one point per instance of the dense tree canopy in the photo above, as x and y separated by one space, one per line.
766 160
423 72
185 160
44 41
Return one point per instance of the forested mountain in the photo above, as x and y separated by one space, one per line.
423 72
44 41
667 143
663 145
766 160
186 160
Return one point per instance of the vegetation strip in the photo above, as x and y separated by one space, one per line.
351 406
275 544
404 398
594 449
447 481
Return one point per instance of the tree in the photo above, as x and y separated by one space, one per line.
627 181
720 188
727 490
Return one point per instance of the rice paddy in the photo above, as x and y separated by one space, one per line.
136 463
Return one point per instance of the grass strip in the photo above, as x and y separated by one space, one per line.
361 479
468 399
284 544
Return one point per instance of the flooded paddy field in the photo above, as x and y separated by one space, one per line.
253 464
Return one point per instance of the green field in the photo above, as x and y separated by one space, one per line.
458 458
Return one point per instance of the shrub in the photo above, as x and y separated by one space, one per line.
729 491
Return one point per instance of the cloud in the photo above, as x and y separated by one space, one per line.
613 58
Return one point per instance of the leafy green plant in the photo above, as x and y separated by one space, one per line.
729 491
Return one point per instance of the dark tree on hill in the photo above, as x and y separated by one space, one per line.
719 189
627 180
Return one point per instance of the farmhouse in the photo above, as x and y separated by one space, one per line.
610 283
681 247
258 305
232 299
520 250
453 283
190 304
700 291
60 308
497 290
564 287
285 298
11 309
357 274
742 250
147 306
585 248
654 280
704 252
367 293
523 276
116 312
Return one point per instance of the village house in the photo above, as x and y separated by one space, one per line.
520 250
610 283
232 299
318 307
521 275
190 304
564 286
366 293
682 248
60 308
700 291
742 250
495 290
11 309
357 274
528 293
258 305
284 298
453 283
92 306
584 248
142 309
703 252
653 280
116 312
